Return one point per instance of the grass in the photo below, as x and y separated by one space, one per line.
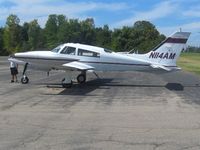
190 62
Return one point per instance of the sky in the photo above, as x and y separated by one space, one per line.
168 16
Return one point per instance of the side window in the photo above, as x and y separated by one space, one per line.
83 52
68 50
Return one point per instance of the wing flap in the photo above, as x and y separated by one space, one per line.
78 66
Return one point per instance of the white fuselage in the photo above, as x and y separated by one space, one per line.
105 61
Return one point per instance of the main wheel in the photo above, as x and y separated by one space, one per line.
81 78
24 80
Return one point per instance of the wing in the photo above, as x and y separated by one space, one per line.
77 66
16 61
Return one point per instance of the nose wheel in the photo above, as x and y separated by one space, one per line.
24 80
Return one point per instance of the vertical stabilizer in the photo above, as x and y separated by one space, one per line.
167 52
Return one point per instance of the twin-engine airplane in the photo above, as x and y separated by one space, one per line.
79 57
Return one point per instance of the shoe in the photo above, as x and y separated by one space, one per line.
12 81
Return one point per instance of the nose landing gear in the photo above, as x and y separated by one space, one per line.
25 79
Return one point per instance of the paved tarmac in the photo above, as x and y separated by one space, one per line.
129 111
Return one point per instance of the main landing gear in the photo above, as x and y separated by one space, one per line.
67 81
24 79
81 78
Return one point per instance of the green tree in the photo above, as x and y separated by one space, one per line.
61 29
103 36
51 31
115 44
34 34
73 31
12 34
87 33
2 50
125 38
24 33
142 36
146 36
122 39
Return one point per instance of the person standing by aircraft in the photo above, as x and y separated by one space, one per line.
14 71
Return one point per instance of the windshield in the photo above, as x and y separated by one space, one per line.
56 50
107 50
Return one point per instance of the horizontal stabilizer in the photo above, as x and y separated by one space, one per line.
78 66
160 66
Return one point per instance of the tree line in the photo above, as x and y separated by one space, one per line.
142 36
193 49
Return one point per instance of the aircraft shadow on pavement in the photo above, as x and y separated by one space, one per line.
88 87
83 89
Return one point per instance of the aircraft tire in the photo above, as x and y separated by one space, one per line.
24 80
81 78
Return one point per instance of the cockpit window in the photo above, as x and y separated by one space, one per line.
56 50
83 52
69 50
107 50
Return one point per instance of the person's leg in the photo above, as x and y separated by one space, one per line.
16 78
12 79
12 74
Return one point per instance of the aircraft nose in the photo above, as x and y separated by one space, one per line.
18 55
